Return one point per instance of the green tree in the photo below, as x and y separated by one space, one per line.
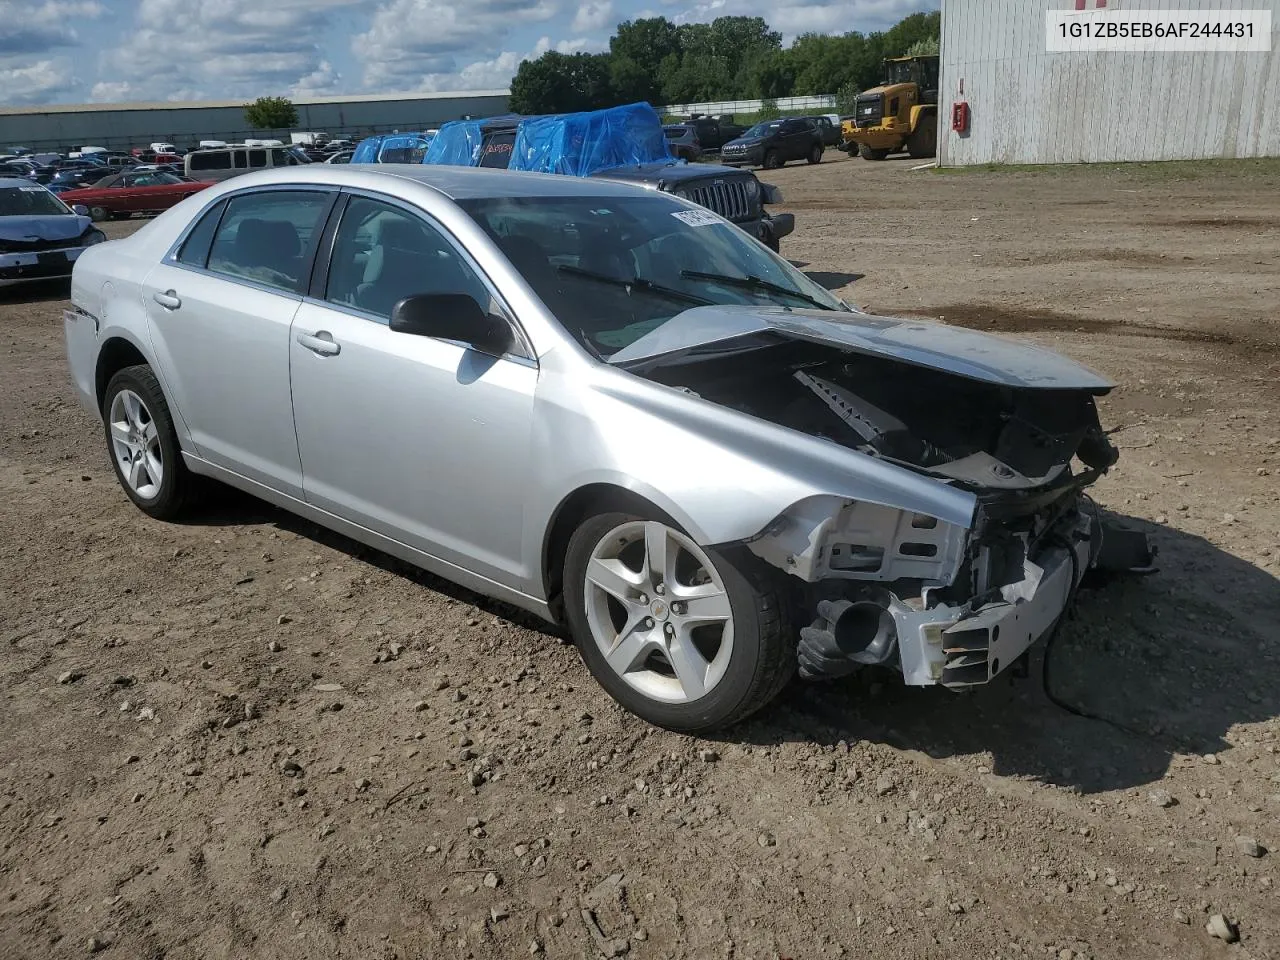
847 98
919 26
632 82
646 41
928 47
271 113
560 83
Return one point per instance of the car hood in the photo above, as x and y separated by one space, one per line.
744 142
51 226
955 350
671 171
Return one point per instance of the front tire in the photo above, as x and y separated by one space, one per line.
772 161
143 444
923 141
681 635
98 214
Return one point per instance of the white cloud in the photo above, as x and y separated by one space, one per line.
37 82
111 91
496 74
593 15
32 27
408 40
320 81
229 48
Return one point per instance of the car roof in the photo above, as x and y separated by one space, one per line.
457 183
8 183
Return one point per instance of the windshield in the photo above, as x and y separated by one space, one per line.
763 129
30 202
898 71
613 269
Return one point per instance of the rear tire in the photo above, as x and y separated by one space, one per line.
142 443
771 160
743 657
923 141
815 155
869 154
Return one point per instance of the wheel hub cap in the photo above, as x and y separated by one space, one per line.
658 611
135 443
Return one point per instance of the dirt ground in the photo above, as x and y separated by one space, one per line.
277 743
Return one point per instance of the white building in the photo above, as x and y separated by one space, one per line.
1027 105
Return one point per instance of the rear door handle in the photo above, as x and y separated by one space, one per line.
169 300
321 343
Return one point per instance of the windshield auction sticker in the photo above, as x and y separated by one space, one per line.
1172 31
698 218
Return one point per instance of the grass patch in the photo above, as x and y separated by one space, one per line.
1144 171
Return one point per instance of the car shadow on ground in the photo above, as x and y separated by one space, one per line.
225 506
37 291
1170 662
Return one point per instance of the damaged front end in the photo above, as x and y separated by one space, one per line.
881 584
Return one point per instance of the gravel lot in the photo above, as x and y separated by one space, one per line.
246 737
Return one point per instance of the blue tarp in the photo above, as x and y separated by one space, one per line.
458 142
367 150
580 144
391 148
403 147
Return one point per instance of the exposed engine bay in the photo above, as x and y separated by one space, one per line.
948 604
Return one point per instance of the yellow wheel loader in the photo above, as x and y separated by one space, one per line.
900 114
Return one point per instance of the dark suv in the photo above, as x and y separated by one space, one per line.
771 143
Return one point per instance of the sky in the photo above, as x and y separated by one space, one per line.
111 51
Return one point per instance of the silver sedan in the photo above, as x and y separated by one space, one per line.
607 406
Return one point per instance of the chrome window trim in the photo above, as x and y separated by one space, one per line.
171 255
526 358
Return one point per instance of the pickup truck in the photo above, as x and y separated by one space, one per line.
714 132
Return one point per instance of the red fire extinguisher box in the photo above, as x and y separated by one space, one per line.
960 116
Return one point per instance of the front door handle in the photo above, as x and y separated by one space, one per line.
321 343
169 300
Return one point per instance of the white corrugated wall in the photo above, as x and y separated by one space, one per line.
1030 106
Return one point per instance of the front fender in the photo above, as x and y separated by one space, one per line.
724 475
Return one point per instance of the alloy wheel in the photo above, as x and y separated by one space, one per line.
658 611
135 443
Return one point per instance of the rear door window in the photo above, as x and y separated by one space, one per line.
269 237
195 249
257 158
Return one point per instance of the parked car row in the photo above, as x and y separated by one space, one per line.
769 144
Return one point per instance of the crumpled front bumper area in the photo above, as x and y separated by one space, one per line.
965 645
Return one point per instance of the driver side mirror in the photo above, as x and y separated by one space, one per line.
452 316
80 210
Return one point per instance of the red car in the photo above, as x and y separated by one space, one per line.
125 193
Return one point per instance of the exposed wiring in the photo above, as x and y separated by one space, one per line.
1048 651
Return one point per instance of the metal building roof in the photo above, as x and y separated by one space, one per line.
215 104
